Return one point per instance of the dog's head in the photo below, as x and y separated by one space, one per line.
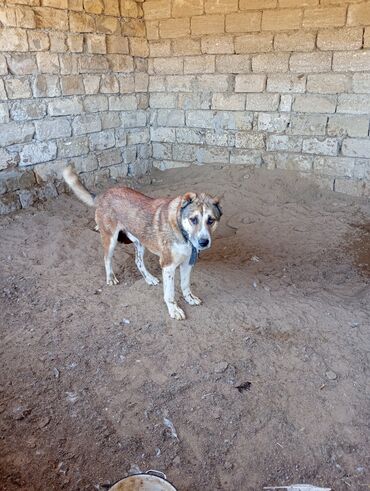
199 217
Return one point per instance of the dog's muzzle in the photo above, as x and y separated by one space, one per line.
203 243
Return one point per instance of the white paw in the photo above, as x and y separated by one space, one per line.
175 312
151 280
192 299
112 280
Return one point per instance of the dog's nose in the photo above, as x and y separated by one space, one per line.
203 242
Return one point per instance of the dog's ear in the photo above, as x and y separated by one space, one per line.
187 199
216 203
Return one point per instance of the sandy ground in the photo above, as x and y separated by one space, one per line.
266 383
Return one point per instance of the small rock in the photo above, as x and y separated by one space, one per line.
228 465
354 324
177 460
221 366
21 412
44 421
124 321
331 375
56 373
216 413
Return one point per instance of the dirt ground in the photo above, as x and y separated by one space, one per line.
266 383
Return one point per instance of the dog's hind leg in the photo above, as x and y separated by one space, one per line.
109 243
185 271
139 261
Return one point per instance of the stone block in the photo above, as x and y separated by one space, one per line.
130 8
47 62
139 47
38 41
215 45
13 39
72 85
286 83
133 119
351 61
174 28
49 18
348 125
353 104
122 103
57 42
162 151
21 64
91 84
310 62
359 14
138 136
134 28
37 152
109 157
4 113
121 63
102 140
165 135
86 123
3 65
126 83
95 43
152 29
281 20
361 83
81 22
69 64
170 117
207 24
157 9
199 64
195 100
245 157
286 101
162 100
64 107
334 166
190 135
186 8
295 41
324 17
220 7
18 88
72 147
270 63
273 122
141 82
94 63
329 83
320 146
262 102
110 120
260 4
243 22
288 161
117 45
233 64
94 6
160 48
220 138
254 43
181 47
49 129
310 103
168 66
356 147
107 25
307 124
228 102
109 84
46 86
212 155
283 143
250 83
9 203
249 140
157 83
95 103
213 83
339 39
27 110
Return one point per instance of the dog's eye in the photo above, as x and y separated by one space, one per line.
210 221
194 220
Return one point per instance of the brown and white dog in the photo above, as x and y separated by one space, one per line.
175 229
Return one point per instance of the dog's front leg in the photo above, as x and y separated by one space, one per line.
185 272
169 293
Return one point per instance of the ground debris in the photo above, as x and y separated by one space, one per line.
298 487
221 366
243 386
171 427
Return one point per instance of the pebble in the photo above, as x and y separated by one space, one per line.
44 421
331 375
228 465
177 460
221 366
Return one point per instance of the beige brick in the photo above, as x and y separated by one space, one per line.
228 102
68 64
46 86
152 29
348 125
109 84
257 4
139 47
217 44
273 63
95 43
307 124
162 101
174 28
186 8
254 43
324 17
8 17
367 38
361 83
356 147
221 6
47 18
333 166
250 83
283 143
57 4
353 104
48 62
199 64
157 83
130 8
181 47
168 66
76 5
289 83
298 3
13 40
160 48
108 25
38 41
93 63
31 3
207 24
359 15
91 83
281 20
111 7
133 28
286 101
243 22
180 83
141 82
307 103
340 39
249 140
117 45
289 161
262 102
57 42
320 146
157 9
351 61
121 63
18 88
126 83
3 65
295 41
213 83
75 43
81 22
72 85
25 18
329 83
310 62
233 63
21 64
273 122
93 6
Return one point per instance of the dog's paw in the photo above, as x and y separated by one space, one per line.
192 299
151 280
176 313
112 281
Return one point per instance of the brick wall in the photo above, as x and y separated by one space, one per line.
275 83
73 88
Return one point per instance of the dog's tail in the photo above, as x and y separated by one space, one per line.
74 183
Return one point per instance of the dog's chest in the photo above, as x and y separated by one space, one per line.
180 252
